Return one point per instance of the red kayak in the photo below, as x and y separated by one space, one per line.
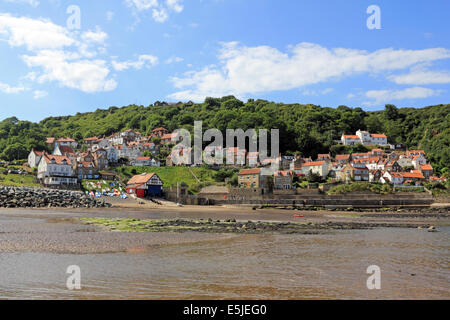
298 216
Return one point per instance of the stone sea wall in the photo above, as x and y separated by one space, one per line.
22 197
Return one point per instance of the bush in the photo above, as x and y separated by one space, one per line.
361 186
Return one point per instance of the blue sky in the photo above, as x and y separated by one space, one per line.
140 51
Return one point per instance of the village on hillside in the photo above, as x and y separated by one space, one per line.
97 158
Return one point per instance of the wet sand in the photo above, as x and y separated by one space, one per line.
37 246
61 231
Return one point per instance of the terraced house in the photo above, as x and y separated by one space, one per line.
252 178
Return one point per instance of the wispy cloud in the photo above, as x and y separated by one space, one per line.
33 3
39 94
160 9
422 77
252 70
6 88
381 96
144 60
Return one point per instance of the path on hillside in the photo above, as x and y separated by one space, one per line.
198 180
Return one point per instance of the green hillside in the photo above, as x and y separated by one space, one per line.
309 129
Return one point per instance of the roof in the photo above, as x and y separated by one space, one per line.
378 135
91 139
143 158
342 156
66 150
416 151
426 167
65 140
140 178
415 175
167 136
159 129
323 155
313 164
283 173
50 140
58 159
250 171
350 136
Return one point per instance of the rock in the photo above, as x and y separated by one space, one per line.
12 197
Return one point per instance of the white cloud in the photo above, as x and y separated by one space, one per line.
6 88
159 8
61 56
317 92
382 96
33 3
38 94
145 60
70 71
142 5
175 5
251 70
422 77
109 15
35 34
174 60
97 36
160 15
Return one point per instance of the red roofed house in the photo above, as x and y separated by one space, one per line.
86 170
252 178
415 175
321 168
167 138
67 142
92 140
395 178
323 157
146 161
354 172
283 179
343 158
146 184
50 141
412 153
235 156
427 170
54 170
417 161
159 132
348 139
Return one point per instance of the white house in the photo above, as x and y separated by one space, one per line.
54 170
371 138
348 139
321 168
33 158
392 177
146 161
365 138
417 161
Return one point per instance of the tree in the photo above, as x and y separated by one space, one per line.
391 112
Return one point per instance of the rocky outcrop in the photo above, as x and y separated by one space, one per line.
21 197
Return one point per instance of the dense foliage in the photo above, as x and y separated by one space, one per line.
309 129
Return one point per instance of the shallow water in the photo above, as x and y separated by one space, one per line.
414 265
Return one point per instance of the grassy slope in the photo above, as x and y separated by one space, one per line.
172 175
